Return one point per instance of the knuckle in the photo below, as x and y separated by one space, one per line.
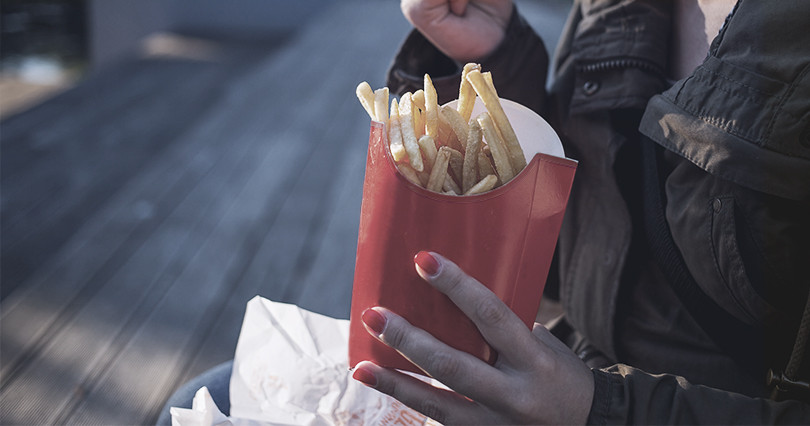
388 387
521 405
490 312
525 408
444 364
395 336
433 409
451 280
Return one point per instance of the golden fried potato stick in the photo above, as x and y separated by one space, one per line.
428 147
493 104
429 152
408 135
483 185
381 104
459 126
500 154
447 137
484 166
423 177
488 78
418 99
366 97
469 174
439 172
466 93
410 174
431 108
456 163
418 122
395 133
451 186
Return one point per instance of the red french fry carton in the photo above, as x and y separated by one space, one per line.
504 238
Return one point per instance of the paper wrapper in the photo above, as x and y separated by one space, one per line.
504 238
290 369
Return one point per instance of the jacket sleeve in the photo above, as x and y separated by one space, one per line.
518 66
625 395
743 113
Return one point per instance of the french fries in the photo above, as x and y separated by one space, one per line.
431 109
366 97
406 113
439 172
457 125
466 93
395 133
445 149
469 174
381 104
500 154
493 104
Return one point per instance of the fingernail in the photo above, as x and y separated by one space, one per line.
427 263
367 377
374 320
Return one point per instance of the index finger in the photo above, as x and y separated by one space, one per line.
500 326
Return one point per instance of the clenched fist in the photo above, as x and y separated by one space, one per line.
464 30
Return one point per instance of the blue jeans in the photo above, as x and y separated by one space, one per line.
217 380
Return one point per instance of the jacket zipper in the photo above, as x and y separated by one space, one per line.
615 64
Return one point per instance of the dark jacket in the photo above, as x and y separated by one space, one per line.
733 169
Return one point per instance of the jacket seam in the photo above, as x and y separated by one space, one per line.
608 399
726 280
784 98
731 93
721 123
733 81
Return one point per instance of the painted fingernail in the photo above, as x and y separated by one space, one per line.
427 263
374 320
367 377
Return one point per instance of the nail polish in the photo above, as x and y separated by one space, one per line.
427 263
374 320
365 376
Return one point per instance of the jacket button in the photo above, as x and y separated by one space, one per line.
590 87
717 205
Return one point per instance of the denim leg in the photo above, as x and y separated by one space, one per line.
217 380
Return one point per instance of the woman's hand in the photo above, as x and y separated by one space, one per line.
464 30
536 378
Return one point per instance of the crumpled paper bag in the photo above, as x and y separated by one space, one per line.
204 411
291 368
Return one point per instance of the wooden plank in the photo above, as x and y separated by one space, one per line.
250 112
287 251
59 192
196 323
100 241
271 274
69 139
85 341
326 286
174 321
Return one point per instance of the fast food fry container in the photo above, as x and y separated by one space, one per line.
504 238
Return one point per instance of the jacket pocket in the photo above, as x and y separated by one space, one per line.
729 262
